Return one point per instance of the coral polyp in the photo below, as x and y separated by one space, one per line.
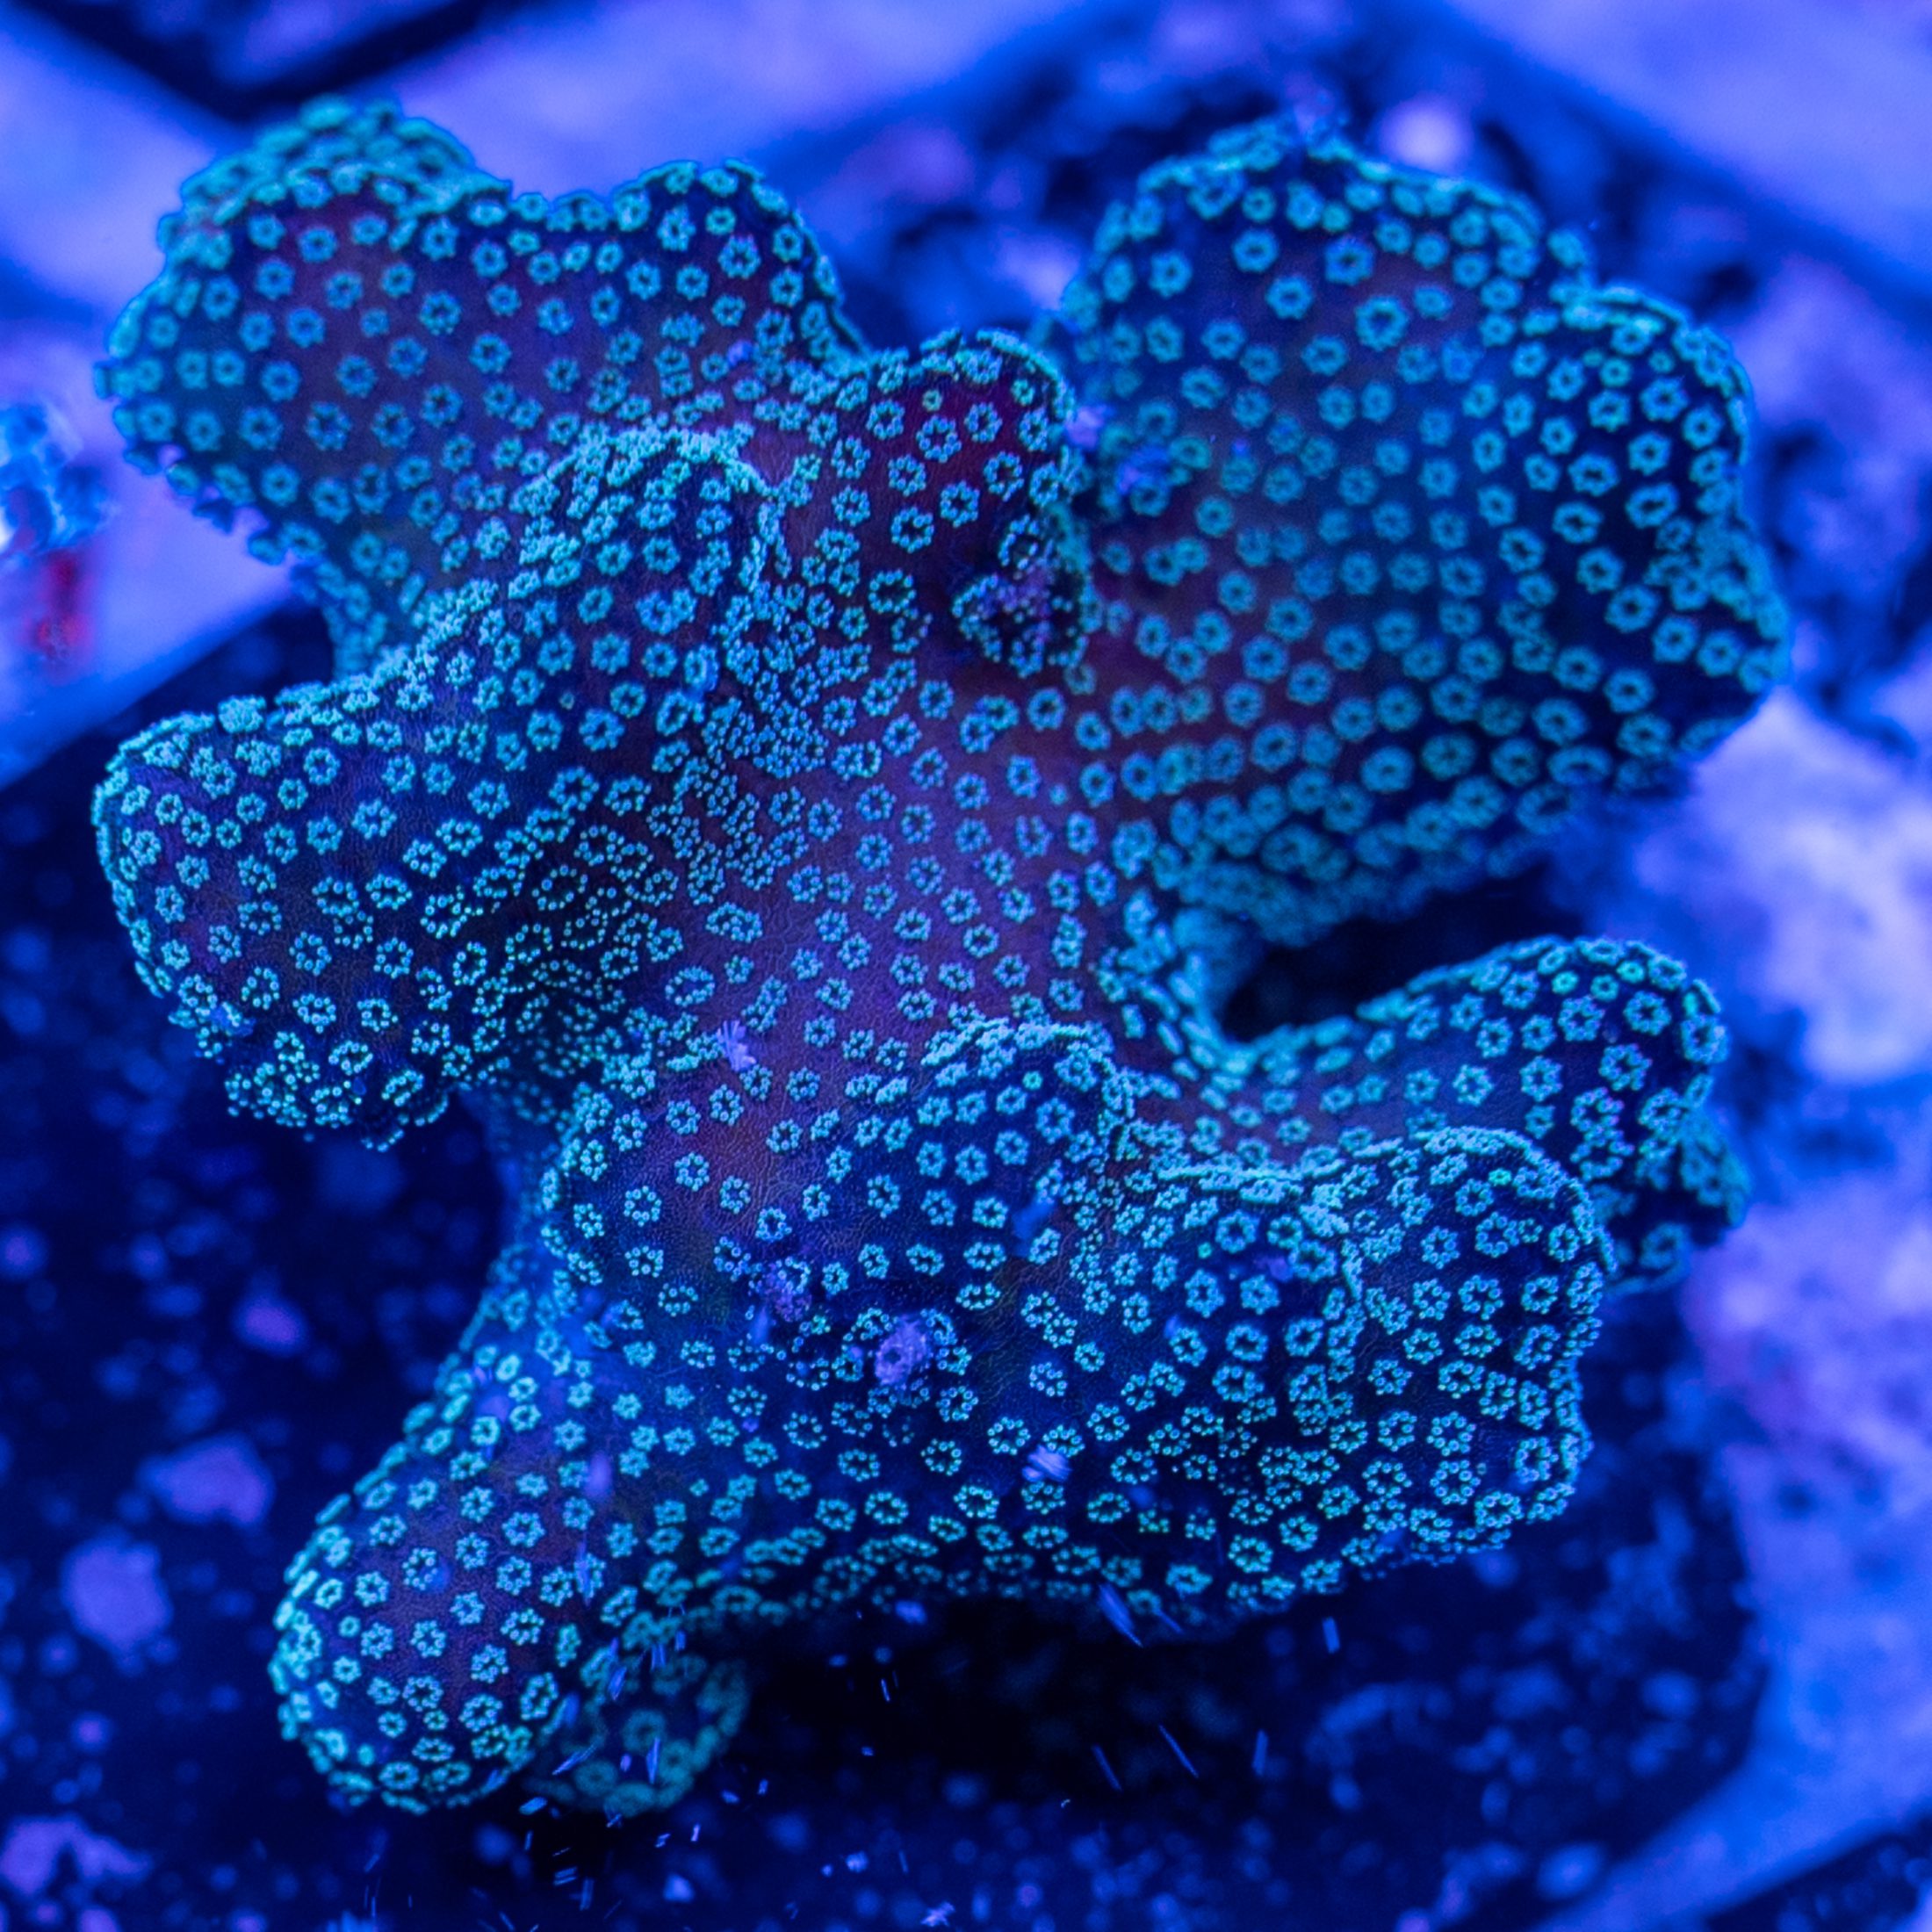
810 799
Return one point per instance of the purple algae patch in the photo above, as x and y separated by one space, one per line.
113 1591
34 1848
274 1326
221 1479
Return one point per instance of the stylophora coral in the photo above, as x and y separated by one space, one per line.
810 798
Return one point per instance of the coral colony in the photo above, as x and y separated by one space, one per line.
48 502
49 505
810 801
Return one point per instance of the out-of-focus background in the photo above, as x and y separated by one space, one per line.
1708 1701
